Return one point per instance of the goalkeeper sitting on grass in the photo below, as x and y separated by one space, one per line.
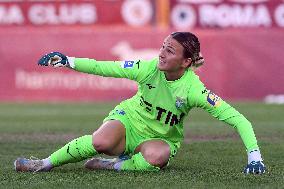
147 129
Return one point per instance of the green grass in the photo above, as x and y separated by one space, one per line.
212 156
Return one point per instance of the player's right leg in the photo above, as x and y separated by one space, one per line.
150 155
108 139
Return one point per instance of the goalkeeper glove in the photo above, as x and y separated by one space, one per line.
55 59
255 163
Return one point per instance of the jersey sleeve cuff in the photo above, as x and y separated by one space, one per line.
254 155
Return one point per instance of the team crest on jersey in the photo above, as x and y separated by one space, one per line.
213 99
127 64
180 102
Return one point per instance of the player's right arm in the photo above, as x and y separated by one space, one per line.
134 70
203 98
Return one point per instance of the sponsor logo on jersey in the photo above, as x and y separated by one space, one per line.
163 115
180 102
127 64
213 99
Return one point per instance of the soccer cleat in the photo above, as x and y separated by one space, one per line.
29 165
103 163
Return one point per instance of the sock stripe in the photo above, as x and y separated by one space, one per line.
68 151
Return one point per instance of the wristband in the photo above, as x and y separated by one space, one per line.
71 61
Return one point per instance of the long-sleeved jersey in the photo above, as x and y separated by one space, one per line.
160 106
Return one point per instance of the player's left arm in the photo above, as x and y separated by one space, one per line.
218 108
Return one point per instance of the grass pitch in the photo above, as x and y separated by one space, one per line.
212 155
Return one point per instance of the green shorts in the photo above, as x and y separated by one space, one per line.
133 139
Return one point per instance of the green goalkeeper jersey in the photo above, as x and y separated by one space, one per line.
160 106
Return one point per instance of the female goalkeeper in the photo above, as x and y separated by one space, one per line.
148 127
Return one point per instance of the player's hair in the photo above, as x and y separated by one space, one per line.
191 47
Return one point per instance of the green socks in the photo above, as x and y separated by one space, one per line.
82 148
77 150
137 163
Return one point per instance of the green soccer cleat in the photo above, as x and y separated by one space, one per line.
29 165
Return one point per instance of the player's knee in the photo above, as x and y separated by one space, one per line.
101 145
158 158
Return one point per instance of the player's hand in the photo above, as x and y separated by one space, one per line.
255 167
55 59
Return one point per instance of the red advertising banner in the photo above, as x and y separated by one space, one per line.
239 64
178 14
185 14
72 12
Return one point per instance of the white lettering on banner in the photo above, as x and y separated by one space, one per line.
65 81
220 1
183 16
137 13
229 13
65 14
279 15
200 1
11 15
249 1
236 15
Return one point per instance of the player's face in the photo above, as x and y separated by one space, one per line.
171 59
